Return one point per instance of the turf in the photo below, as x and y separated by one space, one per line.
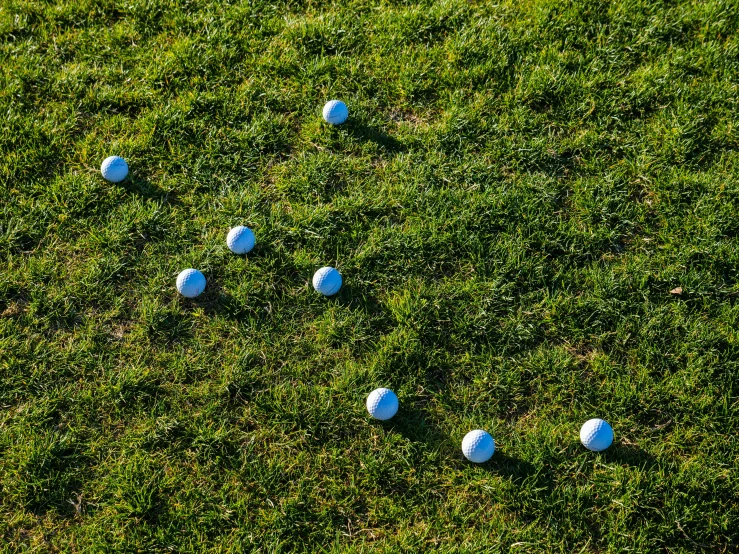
518 190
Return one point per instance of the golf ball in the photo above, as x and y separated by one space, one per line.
596 435
327 281
478 446
190 283
335 112
382 404
114 169
240 240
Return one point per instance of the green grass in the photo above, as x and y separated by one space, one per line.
518 189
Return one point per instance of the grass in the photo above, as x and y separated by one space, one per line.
519 188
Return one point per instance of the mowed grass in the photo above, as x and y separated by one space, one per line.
518 189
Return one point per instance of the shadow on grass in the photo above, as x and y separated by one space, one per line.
413 426
630 455
217 302
357 297
517 470
367 133
416 428
146 189
510 466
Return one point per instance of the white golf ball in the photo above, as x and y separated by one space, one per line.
327 281
190 283
478 446
335 112
596 435
240 240
114 169
382 404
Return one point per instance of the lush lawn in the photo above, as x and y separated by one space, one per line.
519 188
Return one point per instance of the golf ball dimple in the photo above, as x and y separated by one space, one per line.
335 112
190 283
114 169
240 240
478 446
327 281
596 435
382 404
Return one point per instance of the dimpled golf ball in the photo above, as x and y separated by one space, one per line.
114 169
190 283
335 112
478 446
382 404
240 240
327 281
596 435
